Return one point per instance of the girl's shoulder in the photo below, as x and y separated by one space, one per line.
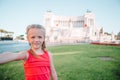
48 52
23 55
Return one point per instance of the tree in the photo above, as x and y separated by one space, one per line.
20 37
118 36
101 30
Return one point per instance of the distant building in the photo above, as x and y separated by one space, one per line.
6 35
72 29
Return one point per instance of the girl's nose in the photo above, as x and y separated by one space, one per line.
36 39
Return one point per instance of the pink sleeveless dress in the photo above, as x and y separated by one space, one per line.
37 68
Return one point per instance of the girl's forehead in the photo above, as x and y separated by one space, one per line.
36 31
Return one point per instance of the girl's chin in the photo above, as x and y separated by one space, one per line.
36 47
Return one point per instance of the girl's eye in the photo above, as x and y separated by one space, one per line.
33 37
39 36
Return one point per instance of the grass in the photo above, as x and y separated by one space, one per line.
75 62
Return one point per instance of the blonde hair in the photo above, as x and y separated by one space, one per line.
35 26
38 27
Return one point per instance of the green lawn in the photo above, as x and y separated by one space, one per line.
75 62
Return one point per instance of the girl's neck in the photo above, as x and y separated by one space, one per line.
37 51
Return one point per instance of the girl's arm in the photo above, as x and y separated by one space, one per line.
8 57
53 71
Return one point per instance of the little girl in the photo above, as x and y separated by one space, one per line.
38 63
